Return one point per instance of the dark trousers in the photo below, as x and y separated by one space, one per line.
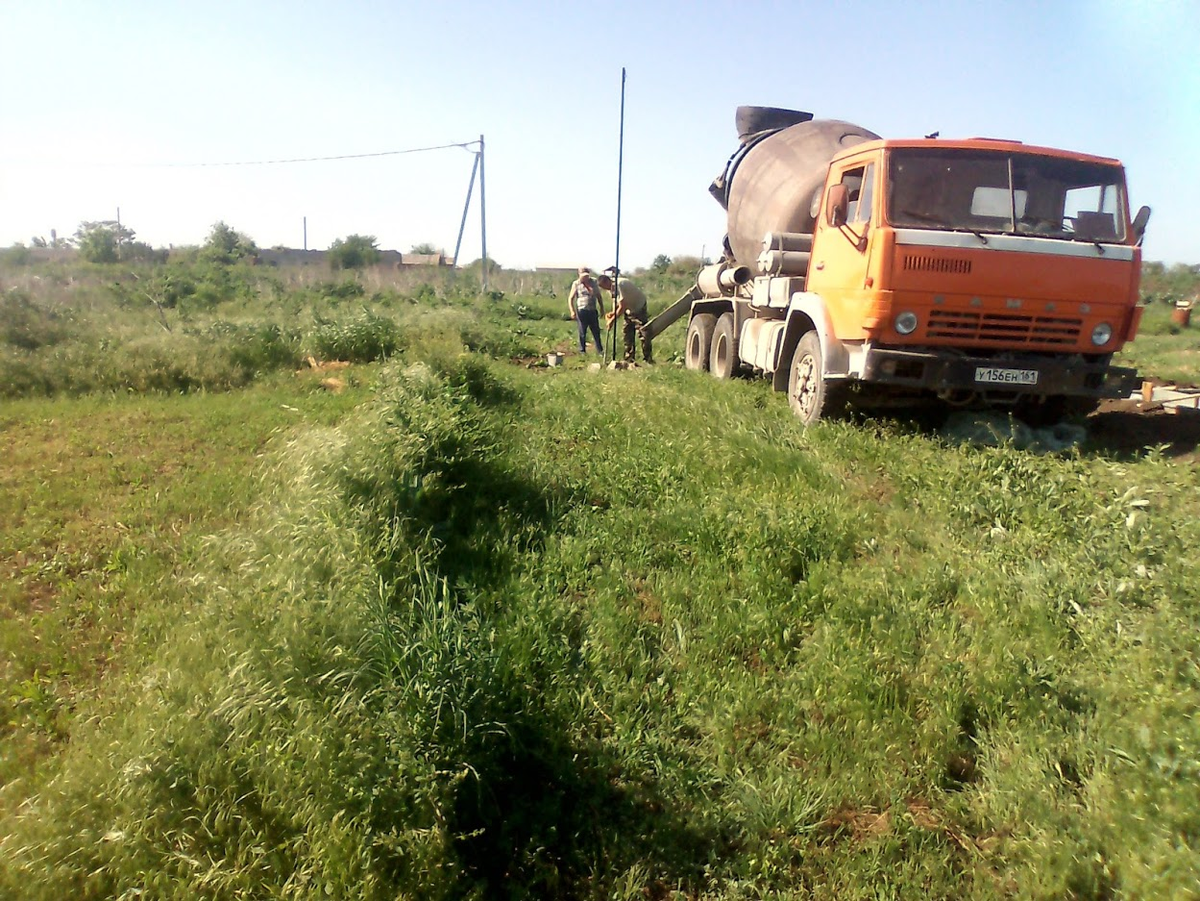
635 324
588 320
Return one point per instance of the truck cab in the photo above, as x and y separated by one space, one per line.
979 270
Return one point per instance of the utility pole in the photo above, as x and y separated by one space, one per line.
306 234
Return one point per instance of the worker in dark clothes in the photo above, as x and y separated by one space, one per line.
630 301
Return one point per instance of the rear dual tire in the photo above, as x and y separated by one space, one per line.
698 345
723 361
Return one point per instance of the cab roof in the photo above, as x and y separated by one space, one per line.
995 144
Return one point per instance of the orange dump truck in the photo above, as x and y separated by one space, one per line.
862 270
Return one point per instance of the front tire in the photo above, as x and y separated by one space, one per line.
723 361
811 396
698 343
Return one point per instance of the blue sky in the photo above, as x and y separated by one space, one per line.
116 105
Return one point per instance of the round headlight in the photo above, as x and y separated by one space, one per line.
1102 334
906 323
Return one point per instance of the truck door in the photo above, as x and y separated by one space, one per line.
841 254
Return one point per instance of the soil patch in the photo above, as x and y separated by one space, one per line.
1129 428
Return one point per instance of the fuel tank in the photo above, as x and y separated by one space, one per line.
772 182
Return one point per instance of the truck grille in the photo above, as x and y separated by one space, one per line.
1006 327
915 262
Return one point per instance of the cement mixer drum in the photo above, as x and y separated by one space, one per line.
772 183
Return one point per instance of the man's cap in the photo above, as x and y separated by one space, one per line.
584 270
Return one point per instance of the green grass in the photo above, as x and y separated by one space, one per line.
474 629
1164 350
186 327
523 633
104 501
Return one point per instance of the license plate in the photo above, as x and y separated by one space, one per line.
987 375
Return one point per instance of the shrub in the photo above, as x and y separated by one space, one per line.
255 349
425 293
344 290
476 267
361 339
16 255
28 325
141 252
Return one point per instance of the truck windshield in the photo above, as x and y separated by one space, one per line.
1005 193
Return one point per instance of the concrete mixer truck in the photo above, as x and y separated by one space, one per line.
859 270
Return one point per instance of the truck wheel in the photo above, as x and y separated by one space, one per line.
699 341
723 361
810 394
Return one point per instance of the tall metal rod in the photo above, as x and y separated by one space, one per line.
466 206
612 338
483 217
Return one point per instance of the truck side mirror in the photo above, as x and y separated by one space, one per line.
1139 224
837 205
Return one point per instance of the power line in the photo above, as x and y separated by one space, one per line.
465 145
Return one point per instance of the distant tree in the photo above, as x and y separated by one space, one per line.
354 252
424 249
17 255
661 264
1178 282
226 245
143 252
477 266
103 241
39 241
686 266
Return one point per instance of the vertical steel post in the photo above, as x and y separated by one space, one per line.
612 338
483 217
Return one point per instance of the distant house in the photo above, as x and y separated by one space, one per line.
424 259
291 256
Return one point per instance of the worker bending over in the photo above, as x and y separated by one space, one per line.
628 300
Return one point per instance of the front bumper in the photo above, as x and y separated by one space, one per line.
1072 375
